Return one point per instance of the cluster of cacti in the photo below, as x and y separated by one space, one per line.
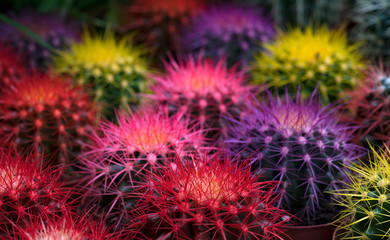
366 200
122 154
207 92
63 226
232 32
11 67
299 143
370 108
113 69
159 23
371 26
27 189
54 30
310 57
46 112
207 198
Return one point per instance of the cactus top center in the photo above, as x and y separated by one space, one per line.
294 121
58 233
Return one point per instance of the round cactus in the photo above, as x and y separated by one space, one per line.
66 226
11 67
366 199
114 69
160 22
51 28
300 144
46 112
370 108
117 162
229 31
27 189
309 57
207 92
371 27
207 198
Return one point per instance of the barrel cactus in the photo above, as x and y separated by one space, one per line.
208 92
56 31
370 108
371 27
229 31
121 155
113 69
366 199
159 23
309 57
299 143
47 112
208 197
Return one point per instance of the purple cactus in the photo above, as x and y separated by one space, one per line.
51 28
301 144
229 31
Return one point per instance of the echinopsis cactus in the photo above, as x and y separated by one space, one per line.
65 225
371 27
207 198
11 67
231 32
27 189
160 22
113 69
46 112
310 57
208 92
119 158
300 144
366 199
370 108
53 29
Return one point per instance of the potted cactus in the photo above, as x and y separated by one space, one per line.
299 143
366 200
207 197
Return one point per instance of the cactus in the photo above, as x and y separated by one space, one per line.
53 29
66 225
370 108
371 27
114 69
229 31
159 23
309 57
27 189
118 159
209 197
366 199
47 112
300 144
207 92
11 67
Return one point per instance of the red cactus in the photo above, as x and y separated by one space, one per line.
116 162
208 198
210 93
64 226
27 189
370 106
10 67
47 112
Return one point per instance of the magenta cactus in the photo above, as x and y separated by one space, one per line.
208 197
123 153
230 32
53 29
301 144
207 92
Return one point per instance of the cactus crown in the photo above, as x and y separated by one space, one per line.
366 199
172 7
101 51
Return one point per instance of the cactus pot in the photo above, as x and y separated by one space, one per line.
318 232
